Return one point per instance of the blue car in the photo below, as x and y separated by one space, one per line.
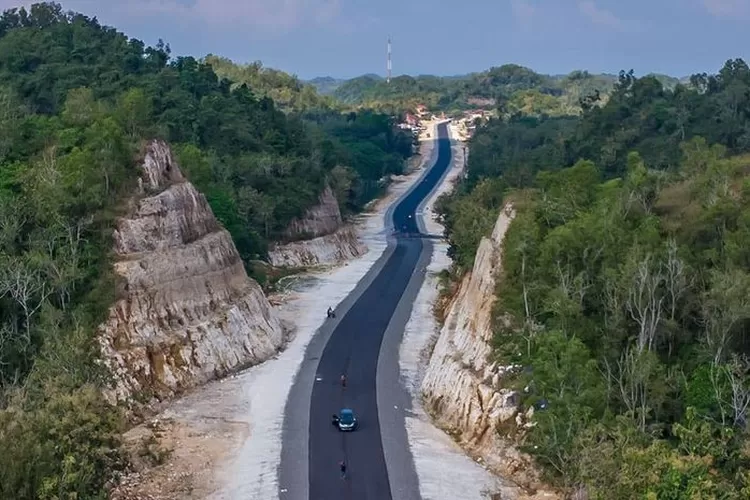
345 420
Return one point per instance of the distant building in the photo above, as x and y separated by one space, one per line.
411 120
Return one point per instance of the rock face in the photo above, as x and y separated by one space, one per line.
319 220
462 388
329 249
331 242
187 311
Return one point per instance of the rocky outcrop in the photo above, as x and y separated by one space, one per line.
331 241
186 311
334 248
319 220
462 387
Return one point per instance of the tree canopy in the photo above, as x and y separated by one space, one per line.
287 91
77 101
624 283
510 88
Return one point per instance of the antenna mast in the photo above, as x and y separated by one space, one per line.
388 65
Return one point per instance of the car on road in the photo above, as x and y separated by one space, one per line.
345 420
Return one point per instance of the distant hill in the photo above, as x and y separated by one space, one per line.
326 85
514 87
520 87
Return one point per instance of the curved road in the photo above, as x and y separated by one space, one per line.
351 344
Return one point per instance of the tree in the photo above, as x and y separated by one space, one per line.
639 381
726 303
81 108
134 111
645 298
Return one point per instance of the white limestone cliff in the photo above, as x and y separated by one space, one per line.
462 387
186 311
324 238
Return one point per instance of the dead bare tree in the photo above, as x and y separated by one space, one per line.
731 386
564 277
737 374
48 169
639 381
613 302
716 376
575 287
26 287
527 312
645 299
724 306
676 278
677 282
630 377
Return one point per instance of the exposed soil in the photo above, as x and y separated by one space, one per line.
174 458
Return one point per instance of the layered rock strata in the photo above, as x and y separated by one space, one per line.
186 311
323 237
462 387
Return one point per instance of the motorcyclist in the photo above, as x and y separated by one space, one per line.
330 313
343 381
342 467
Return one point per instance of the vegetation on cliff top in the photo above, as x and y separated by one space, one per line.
625 284
77 99
287 91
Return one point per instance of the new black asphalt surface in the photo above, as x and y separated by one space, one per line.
353 348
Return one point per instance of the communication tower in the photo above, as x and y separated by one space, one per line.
388 64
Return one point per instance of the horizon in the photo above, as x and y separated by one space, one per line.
463 75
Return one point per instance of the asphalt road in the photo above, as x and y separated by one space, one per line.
352 348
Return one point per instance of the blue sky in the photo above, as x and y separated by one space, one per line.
345 38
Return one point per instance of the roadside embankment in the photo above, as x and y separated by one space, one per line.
458 397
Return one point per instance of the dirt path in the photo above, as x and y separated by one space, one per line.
175 454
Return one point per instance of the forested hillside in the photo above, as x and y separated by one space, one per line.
287 91
326 85
510 87
77 99
626 283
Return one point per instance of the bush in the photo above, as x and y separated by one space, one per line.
64 447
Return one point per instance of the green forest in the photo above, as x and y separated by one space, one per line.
287 91
77 101
510 88
625 283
